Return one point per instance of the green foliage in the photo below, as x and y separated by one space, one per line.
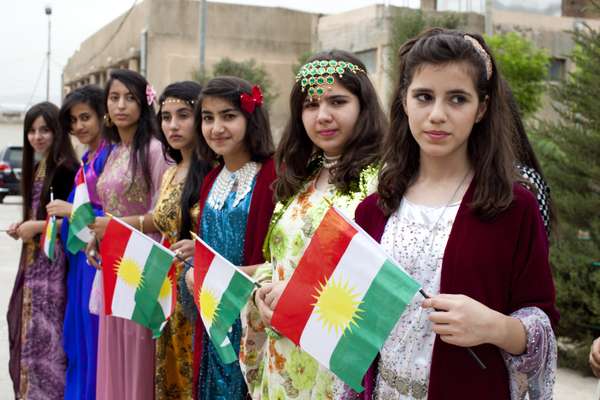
524 66
409 23
569 150
302 59
248 70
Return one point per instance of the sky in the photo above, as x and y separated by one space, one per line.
24 35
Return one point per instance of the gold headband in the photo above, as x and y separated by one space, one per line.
169 100
484 54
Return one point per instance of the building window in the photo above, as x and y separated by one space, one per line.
369 58
557 69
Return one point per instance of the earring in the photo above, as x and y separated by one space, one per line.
107 121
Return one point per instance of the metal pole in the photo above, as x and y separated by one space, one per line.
489 26
48 13
202 36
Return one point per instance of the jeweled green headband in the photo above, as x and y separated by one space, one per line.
314 75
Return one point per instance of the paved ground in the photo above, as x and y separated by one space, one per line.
569 386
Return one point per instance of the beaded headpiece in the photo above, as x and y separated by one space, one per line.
177 100
313 76
481 51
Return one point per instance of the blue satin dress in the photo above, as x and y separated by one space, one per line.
80 328
224 230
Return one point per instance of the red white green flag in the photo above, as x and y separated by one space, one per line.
48 239
220 291
81 216
167 297
134 272
343 299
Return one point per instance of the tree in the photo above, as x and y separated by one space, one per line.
248 70
409 23
569 149
524 66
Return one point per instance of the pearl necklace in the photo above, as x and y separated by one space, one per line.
226 182
330 161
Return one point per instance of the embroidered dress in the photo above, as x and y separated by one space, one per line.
223 227
35 314
416 242
173 376
285 371
80 334
126 349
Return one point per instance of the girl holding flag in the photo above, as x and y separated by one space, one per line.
81 115
451 211
175 215
36 309
236 203
329 154
128 186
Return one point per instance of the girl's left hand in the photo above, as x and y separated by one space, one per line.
184 248
99 226
460 320
59 208
27 230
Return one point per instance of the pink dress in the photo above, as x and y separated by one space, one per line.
126 349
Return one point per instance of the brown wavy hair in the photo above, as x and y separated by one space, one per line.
489 145
296 158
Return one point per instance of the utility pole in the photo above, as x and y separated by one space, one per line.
489 26
202 16
48 13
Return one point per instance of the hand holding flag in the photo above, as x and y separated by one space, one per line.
220 292
343 299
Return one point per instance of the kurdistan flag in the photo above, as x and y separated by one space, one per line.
220 293
81 216
134 272
167 297
48 240
343 299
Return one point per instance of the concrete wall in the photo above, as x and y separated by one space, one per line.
274 37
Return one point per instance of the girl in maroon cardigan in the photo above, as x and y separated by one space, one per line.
449 210
236 203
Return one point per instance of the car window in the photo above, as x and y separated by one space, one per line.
15 156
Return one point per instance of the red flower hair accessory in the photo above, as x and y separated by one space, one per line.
248 102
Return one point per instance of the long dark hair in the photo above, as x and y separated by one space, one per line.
146 126
61 153
524 152
187 91
489 145
258 139
91 95
296 151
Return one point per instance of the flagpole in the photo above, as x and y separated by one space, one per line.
470 350
51 200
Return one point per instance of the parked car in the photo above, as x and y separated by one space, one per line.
10 171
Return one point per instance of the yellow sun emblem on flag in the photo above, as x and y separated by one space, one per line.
129 271
337 306
166 288
208 304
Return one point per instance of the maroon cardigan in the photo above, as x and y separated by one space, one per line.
502 263
259 216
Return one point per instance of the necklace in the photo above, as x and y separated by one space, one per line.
431 231
330 161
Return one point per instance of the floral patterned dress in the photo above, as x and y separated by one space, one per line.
173 375
275 368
